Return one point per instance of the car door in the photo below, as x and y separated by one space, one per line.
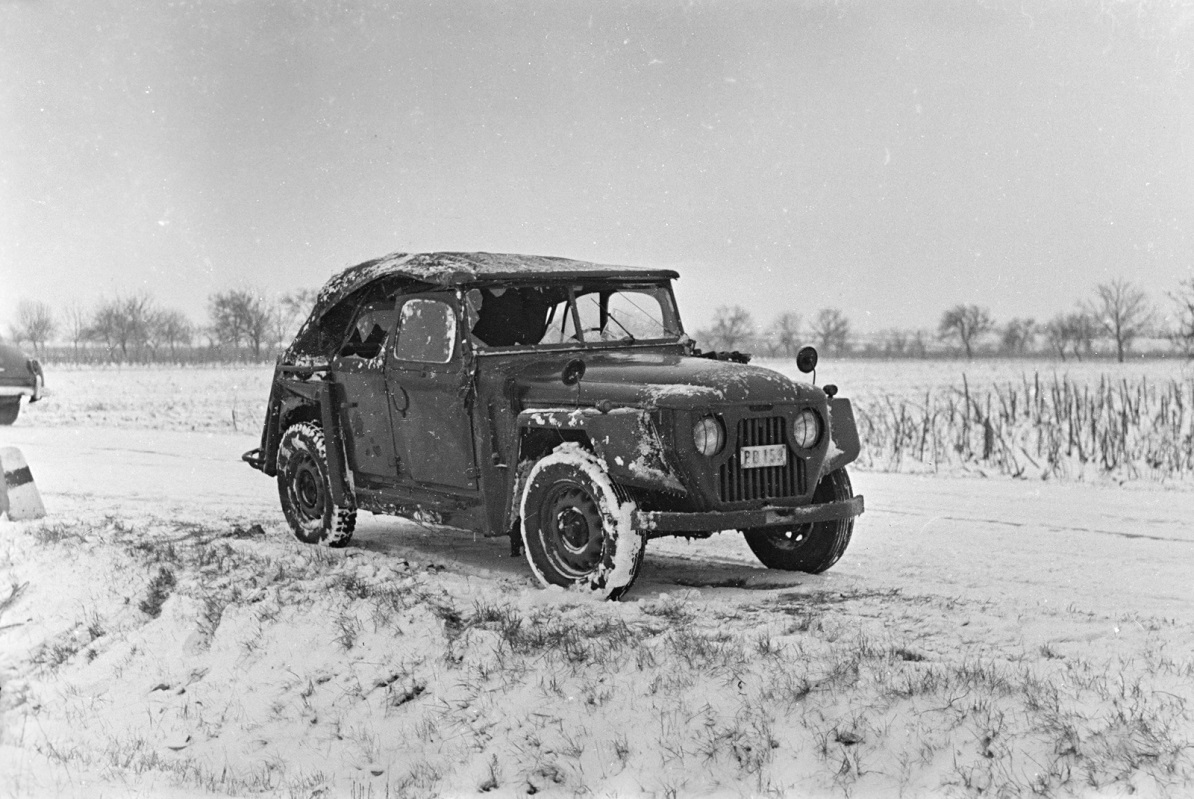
428 383
365 412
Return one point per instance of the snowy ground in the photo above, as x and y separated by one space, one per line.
164 635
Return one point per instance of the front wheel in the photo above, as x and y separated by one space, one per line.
577 525
305 489
812 547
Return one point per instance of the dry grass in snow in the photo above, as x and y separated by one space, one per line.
1025 419
185 656
1041 429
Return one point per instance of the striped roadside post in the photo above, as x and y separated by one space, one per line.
19 498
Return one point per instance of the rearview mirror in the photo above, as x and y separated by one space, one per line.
806 359
574 370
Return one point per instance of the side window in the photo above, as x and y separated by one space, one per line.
588 307
509 317
561 327
426 332
367 337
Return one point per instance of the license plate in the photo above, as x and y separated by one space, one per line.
769 455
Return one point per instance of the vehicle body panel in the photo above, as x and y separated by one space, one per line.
20 376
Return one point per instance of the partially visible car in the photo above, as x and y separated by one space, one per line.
20 376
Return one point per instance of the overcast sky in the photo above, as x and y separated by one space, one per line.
888 158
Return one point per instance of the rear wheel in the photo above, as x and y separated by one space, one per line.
305 489
577 525
9 410
812 547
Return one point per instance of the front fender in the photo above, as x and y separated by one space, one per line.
625 440
844 446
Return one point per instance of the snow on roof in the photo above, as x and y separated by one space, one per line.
457 268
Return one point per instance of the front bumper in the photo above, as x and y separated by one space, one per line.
33 392
656 524
255 458
24 389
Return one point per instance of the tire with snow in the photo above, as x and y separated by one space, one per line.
9 410
577 525
812 547
305 489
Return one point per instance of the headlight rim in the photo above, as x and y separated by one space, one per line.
701 428
809 417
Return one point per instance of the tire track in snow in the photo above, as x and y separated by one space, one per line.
1061 528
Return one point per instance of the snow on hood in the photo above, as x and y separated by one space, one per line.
662 380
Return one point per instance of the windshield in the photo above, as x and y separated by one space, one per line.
626 314
572 315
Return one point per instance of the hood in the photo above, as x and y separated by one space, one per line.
655 380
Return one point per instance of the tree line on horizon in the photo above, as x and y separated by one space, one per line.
1118 313
245 325
241 325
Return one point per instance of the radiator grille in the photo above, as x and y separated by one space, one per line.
768 482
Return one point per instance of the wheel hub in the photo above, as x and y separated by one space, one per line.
572 530
308 491
791 538
573 527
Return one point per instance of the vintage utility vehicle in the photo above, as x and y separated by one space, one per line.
554 401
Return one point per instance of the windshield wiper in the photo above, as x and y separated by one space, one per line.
614 319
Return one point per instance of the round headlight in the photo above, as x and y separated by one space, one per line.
806 429
708 436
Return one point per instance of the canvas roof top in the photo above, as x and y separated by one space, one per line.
458 268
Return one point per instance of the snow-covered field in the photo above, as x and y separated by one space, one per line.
201 398
161 634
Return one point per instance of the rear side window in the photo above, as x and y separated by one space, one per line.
368 336
426 332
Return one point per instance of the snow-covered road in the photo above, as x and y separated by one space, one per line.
1007 635
1019 546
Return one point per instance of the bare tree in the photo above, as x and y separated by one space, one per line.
1017 336
918 343
287 314
1083 331
732 328
210 336
831 330
240 316
894 343
76 322
172 328
297 304
227 326
1182 335
1075 332
35 324
967 324
1122 313
122 323
784 334
1059 334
